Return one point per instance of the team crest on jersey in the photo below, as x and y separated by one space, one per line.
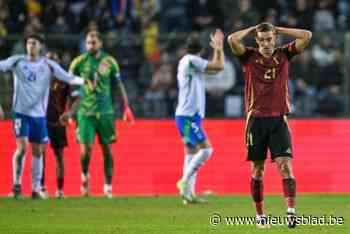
103 67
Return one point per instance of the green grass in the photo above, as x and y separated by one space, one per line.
163 215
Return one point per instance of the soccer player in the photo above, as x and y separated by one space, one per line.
191 108
267 104
58 100
32 76
95 114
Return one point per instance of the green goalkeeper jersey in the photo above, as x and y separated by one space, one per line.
103 70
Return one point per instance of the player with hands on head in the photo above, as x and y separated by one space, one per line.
267 104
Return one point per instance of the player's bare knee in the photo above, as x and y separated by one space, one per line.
86 149
258 173
205 145
258 169
37 150
189 150
285 169
22 147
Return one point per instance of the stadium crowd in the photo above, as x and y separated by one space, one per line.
146 37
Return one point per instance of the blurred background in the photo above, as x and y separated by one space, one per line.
147 38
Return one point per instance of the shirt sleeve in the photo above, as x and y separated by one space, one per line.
243 58
199 63
9 63
115 69
290 50
62 75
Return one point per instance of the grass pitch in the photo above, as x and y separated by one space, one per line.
156 215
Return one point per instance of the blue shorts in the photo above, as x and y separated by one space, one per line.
34 128
191 130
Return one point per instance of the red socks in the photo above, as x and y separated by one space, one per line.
289 190
257 192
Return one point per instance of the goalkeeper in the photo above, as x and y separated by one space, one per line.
95 112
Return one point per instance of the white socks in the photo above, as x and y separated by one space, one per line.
18 160
291 210
192 181
37 172
198 159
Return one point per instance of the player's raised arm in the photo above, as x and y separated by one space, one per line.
235 40
64 76
9 63
302 36
217 62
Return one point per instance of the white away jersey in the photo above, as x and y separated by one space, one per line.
191 86
32 83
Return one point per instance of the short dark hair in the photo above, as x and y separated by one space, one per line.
95 34
57 52
193 44
265 27
37 36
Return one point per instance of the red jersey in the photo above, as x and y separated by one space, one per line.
59 93
266 81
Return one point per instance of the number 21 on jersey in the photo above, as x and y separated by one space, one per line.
270 74
31 76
